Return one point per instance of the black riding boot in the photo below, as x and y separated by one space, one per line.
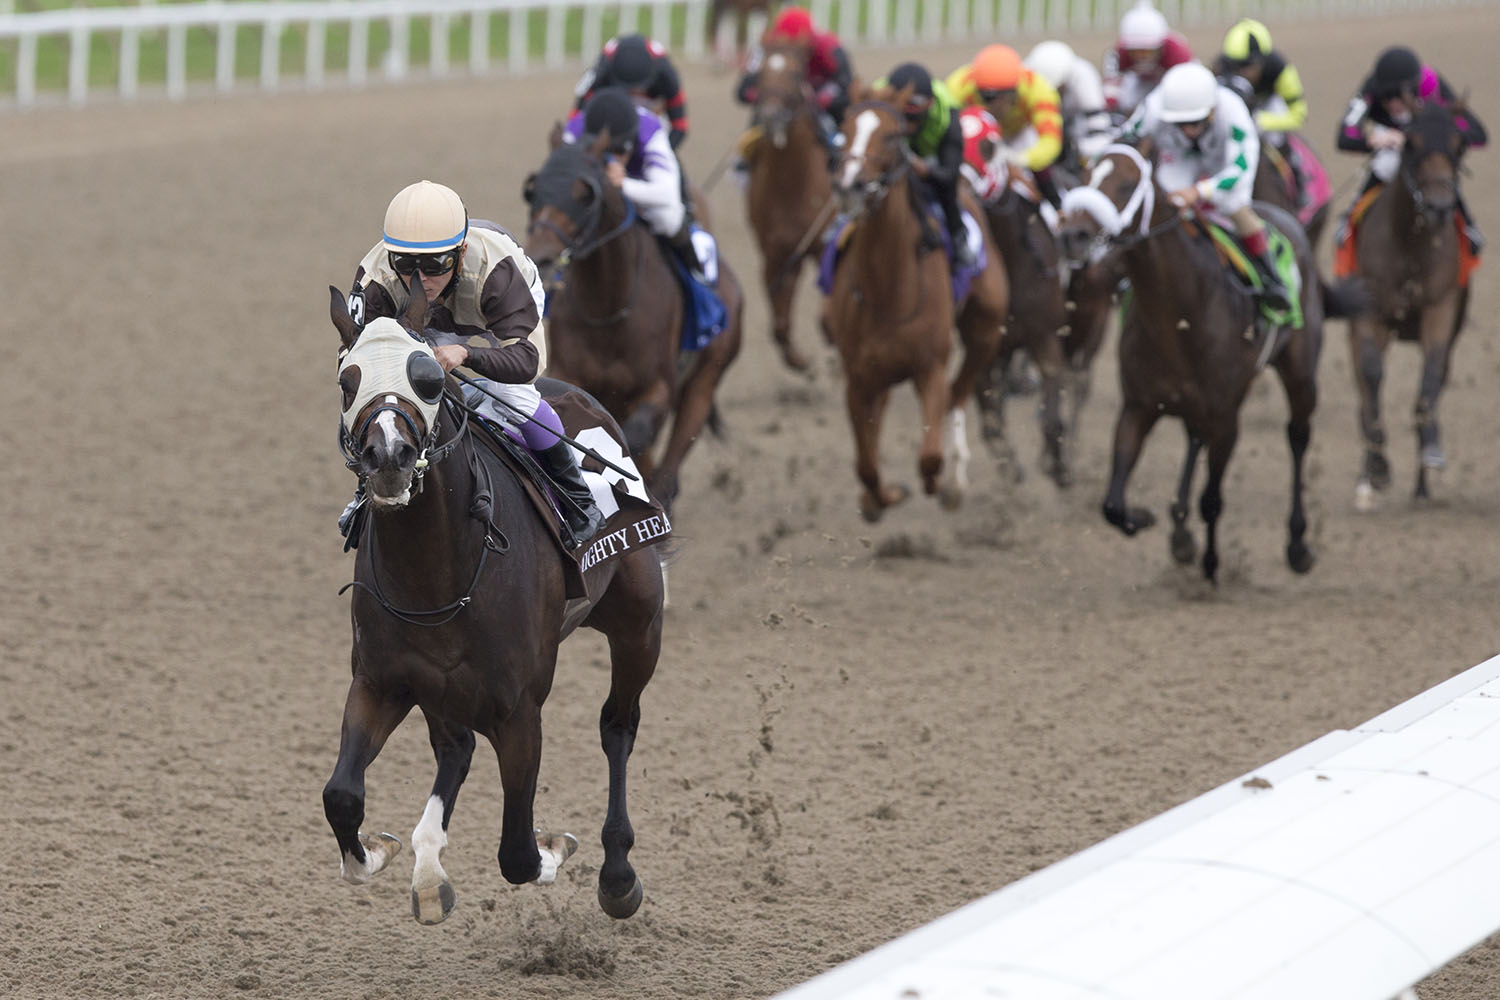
581 514
1273 290
682 245
963 257
1048 187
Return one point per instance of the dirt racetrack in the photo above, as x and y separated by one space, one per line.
853 729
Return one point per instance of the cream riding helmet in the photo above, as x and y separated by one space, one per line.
1189 93
1143 27
425 227
1052 61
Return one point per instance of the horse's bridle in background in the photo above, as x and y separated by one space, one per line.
873 192
583 243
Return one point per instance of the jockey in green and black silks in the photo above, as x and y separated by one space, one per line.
934 135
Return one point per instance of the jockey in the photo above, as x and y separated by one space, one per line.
1086 127
935 137
1207 151
1025 106
1261 75
639 65
480 285
1376 116
643 166
829 72
1145 49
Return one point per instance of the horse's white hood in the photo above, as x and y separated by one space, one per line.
382 353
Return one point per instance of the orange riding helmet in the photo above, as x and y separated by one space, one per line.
996 67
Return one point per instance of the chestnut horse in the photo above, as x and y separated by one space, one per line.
789 195
458 609
1408 258
891 312
1190 344
615 311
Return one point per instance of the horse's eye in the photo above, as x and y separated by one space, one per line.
425 375
349 385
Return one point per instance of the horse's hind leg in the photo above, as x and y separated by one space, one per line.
1184 548
631 619
1297 371
1211 503
369 721
781 288
1437 328
432 896
1131 428
1367 343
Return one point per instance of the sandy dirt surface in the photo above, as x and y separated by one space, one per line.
853 729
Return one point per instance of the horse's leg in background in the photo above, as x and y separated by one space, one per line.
989 392
1368 338
1046 352
1131 427
629 614
781 288
932 395
1297 367
1438 323
1211 503
694 402
432 896
866 406
642 425
369 721
1184 547
711 29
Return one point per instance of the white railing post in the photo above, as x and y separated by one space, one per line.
359 50
438 33
398 56
130 63
316 64
78 65
26 70
224 68
557 20
694 26
177 61
593 33
519 29
270 54
479 42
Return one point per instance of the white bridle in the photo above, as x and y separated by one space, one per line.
1097 205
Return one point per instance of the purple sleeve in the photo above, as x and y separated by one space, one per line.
574 128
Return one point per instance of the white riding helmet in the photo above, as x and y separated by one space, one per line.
1143 27
1189 93
1052 61
425 218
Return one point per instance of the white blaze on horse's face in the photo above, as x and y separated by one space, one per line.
776 62
864 127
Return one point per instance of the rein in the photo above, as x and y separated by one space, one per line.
572 251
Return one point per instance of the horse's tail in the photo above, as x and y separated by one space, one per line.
1345 299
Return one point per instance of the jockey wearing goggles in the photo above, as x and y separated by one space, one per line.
1143 52
1208 151
480 286
1022 102
638 65
1080 89
935 137
1261 75
1378 113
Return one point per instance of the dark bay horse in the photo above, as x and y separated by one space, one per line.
458 608
891 314
789 196
615 311
1190 346
1409 258
1290 176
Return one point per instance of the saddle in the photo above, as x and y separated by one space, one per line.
1346 255
1233 256
934 236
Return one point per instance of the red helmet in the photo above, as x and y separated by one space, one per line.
793 23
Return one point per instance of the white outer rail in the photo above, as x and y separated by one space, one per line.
932 21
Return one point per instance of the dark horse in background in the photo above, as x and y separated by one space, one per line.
615 311
789 196
1190 345
1410 259
458 609
741 10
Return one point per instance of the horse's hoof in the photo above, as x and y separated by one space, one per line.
433 905
624 906
950 496
380 848
1433 458
1377 470
1366 499
554 850
1184 547
1299 557
870 509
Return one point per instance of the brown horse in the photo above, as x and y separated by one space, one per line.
1290 176
1409 259
890 311
615 311
1190 345
460 603
789 196
742 9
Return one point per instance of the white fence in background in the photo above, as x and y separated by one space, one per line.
538 33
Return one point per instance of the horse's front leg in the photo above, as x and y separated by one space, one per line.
866 408
932 392
1211 503
1184 548
694 404
369 720
1297 369
1131 428
781 273
1436 341
1367 342
432 896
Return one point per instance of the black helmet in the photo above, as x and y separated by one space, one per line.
612 109
630 65
1397 71
920 81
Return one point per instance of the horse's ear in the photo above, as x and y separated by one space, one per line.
600 144
338 311
415 318
555 137
528 188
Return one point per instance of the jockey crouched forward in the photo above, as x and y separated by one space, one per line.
829 72
480 285
935 140
1086 125
1023 104
644 167
641 67
1208 151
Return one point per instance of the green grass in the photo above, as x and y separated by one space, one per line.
104 51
